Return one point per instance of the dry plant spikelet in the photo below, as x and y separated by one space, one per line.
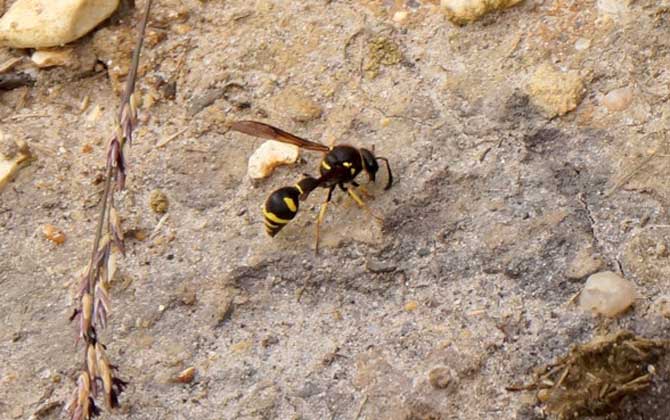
98 374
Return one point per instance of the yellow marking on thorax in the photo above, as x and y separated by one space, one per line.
290 204
353 171
325 165
272 217
347 164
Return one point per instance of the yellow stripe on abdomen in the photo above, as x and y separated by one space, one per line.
273 218
290 204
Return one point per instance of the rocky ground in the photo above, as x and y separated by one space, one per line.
529 150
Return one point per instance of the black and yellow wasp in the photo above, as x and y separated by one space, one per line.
340 166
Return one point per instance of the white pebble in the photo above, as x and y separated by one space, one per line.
52 57
582 44
607 293
400 16
270 155
49 23
618 99
462 12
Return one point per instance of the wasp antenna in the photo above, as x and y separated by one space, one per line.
388 168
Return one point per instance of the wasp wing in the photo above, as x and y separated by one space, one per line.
265 131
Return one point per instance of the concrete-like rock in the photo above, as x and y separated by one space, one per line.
463 12
49 23
556 93
607 293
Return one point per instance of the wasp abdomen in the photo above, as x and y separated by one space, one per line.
280 207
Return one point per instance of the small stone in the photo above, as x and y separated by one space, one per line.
53 57
186 376
13 156
270 155
400 16
269 341
48 23
113 46
297 105
223 311
17 412
140 234
377 266
614 7
662 305
607 293
661 249
411 306
584 264
440 377
556 93
87 148
618 99
182 29
187 295
543 395
53 234
241 346
158 201
462 12
582 44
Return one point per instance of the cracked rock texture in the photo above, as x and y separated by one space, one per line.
498 214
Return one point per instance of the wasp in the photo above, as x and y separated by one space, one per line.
339 167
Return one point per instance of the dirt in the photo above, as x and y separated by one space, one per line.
469 281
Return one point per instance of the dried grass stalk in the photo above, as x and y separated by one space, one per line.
98 377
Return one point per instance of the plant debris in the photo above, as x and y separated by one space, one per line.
595 377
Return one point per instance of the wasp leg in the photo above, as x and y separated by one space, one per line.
322 215
362 204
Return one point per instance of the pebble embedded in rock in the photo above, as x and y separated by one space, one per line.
583 264
53 234
53 57
462 12
662 305
270 155
13 156
614 7
48 23
607 293
440 377
297 105
158 201
186 376
582 44
113 46
556 93
618 99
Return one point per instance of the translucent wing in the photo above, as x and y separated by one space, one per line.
265 131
